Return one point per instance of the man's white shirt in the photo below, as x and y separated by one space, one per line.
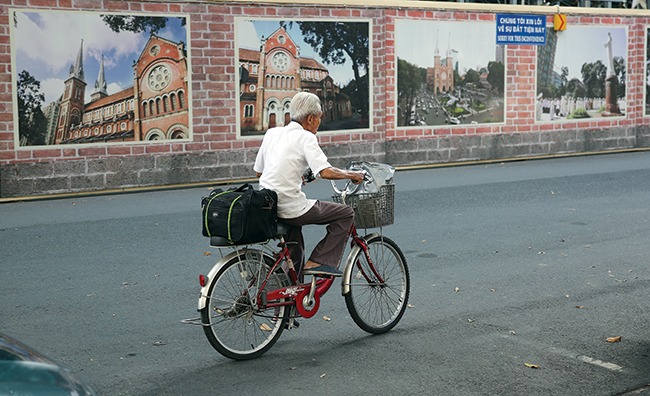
286 152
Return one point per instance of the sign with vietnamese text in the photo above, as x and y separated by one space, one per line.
521 29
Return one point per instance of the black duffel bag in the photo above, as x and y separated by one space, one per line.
242 215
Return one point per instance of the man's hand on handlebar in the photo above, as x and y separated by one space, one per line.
357 177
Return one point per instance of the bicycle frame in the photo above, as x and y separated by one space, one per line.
306 296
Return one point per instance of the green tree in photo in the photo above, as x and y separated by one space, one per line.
593 77
32 123
495 76
136 24
333 41
410 80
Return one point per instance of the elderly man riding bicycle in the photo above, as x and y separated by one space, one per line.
285 154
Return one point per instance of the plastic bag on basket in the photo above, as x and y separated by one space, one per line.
373 201
379 175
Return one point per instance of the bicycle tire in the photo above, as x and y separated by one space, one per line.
234 325
377 308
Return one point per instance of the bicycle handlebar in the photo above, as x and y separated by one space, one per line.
350 188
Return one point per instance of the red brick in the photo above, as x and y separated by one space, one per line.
49 153
117 5
118 150
341 13
92 151
157 149
135 150
23 154
43 3
155 7
7 155
220 146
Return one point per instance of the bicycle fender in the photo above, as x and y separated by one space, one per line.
349 265
203 299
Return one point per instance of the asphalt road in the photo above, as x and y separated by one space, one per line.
520 273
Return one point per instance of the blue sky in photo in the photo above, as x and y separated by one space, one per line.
250 32
46 43
578 45
475 42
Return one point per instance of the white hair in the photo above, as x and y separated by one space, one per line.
304 104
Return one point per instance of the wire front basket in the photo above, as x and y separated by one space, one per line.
372 210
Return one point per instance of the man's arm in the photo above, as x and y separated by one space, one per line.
333 173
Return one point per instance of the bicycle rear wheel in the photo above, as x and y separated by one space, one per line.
232 320
379 288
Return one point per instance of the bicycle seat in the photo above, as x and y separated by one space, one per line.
218 241
283 228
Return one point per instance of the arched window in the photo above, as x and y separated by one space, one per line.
157 105
248 110
181 100
165 104
172 100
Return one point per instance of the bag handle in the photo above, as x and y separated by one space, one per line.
244 187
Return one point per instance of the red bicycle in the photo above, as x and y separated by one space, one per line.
253 293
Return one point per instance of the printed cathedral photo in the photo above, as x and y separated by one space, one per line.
83 78
278 58
449 73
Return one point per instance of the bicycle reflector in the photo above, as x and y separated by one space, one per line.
203 280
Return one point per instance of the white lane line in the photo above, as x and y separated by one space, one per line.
567 353
607 365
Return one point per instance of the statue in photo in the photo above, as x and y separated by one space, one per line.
611 83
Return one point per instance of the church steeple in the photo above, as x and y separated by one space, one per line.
72 101
77 70
100 84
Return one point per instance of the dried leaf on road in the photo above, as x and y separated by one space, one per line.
614 339
410 305
530 365
327 318
265 327
207 253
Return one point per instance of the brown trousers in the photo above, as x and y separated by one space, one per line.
329 250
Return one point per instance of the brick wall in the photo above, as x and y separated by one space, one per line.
216 154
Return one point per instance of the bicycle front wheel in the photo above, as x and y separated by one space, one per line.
379 286
232 320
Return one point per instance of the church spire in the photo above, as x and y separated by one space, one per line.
100 83
77 70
